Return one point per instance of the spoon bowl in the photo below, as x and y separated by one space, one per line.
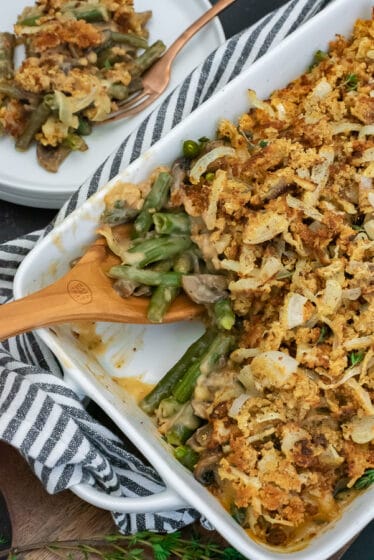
85 293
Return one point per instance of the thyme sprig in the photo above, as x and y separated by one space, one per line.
133 547
356 357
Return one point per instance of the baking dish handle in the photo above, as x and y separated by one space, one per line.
166 500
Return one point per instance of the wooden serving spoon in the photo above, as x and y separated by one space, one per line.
85 293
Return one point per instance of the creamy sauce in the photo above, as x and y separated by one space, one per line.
85 331
58 242
135 386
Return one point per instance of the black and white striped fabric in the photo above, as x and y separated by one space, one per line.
39 414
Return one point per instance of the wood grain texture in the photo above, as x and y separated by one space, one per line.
37 516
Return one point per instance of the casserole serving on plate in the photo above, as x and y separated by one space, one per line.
69 239
24 182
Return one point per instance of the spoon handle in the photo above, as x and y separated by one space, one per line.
59 303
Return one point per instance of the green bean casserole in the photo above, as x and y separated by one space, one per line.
83 58
270 226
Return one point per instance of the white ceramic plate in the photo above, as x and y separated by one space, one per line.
149 351
23 181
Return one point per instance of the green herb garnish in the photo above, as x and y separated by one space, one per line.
132 547
239 514
366 480
317 58
356 357
263 143
351 82
325 331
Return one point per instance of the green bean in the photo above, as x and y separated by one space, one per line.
168 407
30 21
179 433
107 58
218 349
128 39
187 456
163 296
149 57
75 143
8 89
7 44
164 387
157 249
167 223
184 263
163 266
119 213
154 201
146 277
90 14
224 315
36 120
182 424
160 302
51 102
135 85
118 92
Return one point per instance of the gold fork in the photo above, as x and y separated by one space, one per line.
157 78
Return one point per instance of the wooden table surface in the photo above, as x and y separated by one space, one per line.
37 516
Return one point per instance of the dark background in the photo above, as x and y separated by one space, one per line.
16 220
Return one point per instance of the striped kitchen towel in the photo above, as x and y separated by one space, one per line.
39 414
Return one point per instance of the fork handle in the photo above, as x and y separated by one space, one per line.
179 43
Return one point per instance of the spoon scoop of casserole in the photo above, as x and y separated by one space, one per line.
85 293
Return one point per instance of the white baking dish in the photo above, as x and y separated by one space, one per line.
150 351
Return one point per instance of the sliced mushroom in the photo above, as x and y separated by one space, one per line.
51 158
205 288
125 288
199 440
178 173
205 468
